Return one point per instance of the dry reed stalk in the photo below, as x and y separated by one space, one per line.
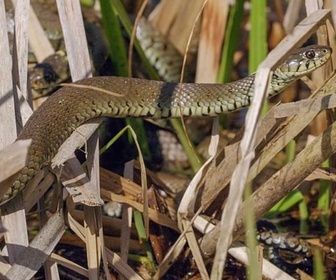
80 67
175 19
214 19
13 215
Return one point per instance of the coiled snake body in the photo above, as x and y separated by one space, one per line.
54 121
299 251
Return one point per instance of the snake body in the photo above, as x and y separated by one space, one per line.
162 54
54 121
298 251
45 77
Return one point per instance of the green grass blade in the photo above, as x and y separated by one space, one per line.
258 38
194 160
257 52
318 265
127 24
323 203
258 34
140 227
115 38
232 35
286 203
87 3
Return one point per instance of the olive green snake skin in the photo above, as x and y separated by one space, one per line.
54 121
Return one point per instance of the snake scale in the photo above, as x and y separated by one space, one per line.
54 121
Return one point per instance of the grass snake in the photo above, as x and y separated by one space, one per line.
54 121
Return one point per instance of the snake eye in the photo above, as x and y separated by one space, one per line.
310 54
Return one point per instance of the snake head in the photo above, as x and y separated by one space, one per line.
42 79
304 61
42 75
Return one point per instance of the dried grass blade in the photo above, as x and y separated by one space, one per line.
92 224
127 213
94 238
317 104
32 257
51 270
13 159
76 140
69 264
172 255
20 48
212 33
78 185
37 188
153 215
13 214
292 12
197 255
168 17
38 40
188 200
143 181
269 270
75 39
122 267
76 227
7 114
328 174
